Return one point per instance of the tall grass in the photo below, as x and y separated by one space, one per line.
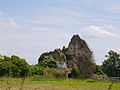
30 83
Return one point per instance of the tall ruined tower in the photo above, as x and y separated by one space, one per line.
79 56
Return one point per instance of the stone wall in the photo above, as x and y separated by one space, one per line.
77 55
80 56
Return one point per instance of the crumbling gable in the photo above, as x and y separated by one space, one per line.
77 55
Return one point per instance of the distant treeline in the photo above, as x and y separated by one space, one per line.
14 66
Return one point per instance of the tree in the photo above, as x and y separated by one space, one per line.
15 71
111 66
99 70
48 61
13 66
37 70
5 68
23 68
42 56
75 73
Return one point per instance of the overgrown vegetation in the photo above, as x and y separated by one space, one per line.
99 70
45 75
14 66
37 70
75 73
111 66
48 61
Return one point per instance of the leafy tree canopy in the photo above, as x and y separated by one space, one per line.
111 66
99 70
37 70
13 66
48 61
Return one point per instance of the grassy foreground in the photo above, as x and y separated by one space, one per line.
55 84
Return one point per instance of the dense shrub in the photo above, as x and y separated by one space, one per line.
13 66
99 77
23 68
5 68
99 70
37 70
48 61
55 73
42 56
75 73
111 66
62 55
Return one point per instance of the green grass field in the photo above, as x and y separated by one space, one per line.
53 84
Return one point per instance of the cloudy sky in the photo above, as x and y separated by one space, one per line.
30 27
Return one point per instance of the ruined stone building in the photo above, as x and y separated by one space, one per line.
80 56
77 55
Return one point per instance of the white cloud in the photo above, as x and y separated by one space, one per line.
40 28
2 52
1 13
67 12
77 0
100 31
8 22
65 0
56 20
88 0
114 49
58 16
109 27
2 38
113 6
